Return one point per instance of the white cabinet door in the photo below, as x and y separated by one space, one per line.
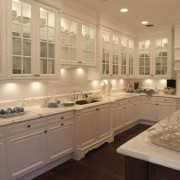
164 110
128 114
103 122
25 152
149 110
32 40
88 44
60 140
88 127
137 111
2 159
118 118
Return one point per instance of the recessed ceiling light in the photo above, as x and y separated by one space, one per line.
124 10
144 22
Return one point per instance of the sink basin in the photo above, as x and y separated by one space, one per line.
83 101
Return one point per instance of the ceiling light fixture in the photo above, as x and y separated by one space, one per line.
124 10
144 22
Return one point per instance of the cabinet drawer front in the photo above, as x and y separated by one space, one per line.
166 99
2 132
26 126
136 99
119 103
149 98
62 117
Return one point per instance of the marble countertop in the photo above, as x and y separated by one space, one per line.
36 112
141 147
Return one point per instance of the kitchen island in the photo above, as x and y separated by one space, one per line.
147 161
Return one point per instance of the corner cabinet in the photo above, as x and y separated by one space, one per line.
117 55
93 128
32 40
154 57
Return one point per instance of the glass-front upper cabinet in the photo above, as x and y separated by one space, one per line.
144 52
48 31
32 32
115 55
21 28
69 40
2 38
105 53
88 44
161 56
131 57
124 51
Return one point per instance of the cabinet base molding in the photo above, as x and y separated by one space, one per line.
80 152
45 168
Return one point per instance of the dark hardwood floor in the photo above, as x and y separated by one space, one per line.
103 163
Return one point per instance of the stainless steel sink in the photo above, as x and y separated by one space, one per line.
83 101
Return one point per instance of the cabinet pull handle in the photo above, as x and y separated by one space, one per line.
29 126
62 117
36 75
79 61
97 109
45 131
62 124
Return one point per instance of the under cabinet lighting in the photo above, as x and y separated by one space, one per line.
144 22
124 10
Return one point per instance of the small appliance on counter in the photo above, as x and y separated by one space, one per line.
171 87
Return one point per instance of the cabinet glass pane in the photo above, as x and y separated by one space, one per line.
51 19
144 57
51 50
26 47
161 56
43 68
43 17
16 65
21 37
51 34
51 65
26 65
43 49
87 41
43 33
72 54
17 46
69 40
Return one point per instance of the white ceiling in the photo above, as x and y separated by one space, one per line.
157 12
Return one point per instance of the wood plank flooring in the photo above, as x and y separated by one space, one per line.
103 163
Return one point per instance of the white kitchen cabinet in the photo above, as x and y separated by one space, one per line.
60 135
154 57
2 39
110 45
125 112
26 147
144 57
69 40
93 128
117 54
156 108
127 57
88 44
118 115
2 154
32 40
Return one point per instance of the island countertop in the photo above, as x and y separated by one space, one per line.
142 148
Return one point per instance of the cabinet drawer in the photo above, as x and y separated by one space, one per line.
166 99
2 132
26 126
62 117
144 98
119 103
136 99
